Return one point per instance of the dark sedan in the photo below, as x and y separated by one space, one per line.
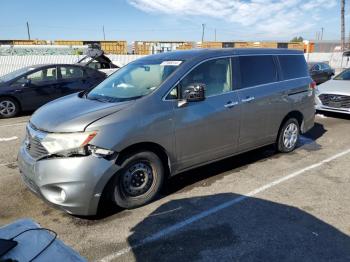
320 72
30 87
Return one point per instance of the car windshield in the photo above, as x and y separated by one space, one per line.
345 75
15 74
134 80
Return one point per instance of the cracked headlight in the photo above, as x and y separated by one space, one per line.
68 144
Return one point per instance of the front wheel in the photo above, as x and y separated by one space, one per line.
139 180
8 107
288 136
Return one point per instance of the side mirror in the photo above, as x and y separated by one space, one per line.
194 92
26 83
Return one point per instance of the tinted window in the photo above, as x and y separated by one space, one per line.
257 70
293 66
325 66
345 75
91 72
71 72
47 74
215 74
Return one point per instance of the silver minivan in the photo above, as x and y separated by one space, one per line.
159 116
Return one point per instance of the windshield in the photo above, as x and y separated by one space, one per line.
14 74
345 75
133 81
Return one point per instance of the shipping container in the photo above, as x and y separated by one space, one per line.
114 47
298 46
68 42
211 45
282 45
228 45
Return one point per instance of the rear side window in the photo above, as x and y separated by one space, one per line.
257 70
293 66
68 72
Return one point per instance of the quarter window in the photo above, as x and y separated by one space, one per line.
68 72
215 74
257 70
293 66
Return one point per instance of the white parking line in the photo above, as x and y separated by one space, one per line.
5 139
16 124
178 226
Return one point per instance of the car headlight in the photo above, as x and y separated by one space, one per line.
317 91
67 144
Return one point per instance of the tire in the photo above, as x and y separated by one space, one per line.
139 180
8 107
288 136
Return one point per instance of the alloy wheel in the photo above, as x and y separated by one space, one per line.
7 108
290 135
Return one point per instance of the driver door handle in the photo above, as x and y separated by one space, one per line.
231 104
248 99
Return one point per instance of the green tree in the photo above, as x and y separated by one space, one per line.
297 39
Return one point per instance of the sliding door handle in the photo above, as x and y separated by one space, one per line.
248 99
231 104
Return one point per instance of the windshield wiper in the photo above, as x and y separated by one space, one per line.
103 100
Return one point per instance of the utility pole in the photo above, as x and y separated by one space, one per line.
215 34
103 30
342 18
203 28
28 31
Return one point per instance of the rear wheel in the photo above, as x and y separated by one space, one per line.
288 136
8 107
139 180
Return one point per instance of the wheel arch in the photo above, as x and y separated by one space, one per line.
124 154
293 114
14 98
146 146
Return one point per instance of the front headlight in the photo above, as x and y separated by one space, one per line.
317 91
67 144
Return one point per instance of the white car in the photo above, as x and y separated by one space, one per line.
334 95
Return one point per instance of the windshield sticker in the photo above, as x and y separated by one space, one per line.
171 63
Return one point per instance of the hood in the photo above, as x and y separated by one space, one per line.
73 113
341 87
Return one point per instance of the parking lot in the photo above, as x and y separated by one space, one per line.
259 206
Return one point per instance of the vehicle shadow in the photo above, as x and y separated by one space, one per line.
212 172
335 115
217 228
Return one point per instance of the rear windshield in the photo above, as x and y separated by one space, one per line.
293 66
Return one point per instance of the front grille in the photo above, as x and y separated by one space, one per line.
336 101
33 144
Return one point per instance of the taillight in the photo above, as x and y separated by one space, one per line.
313 85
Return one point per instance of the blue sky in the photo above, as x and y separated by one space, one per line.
170 20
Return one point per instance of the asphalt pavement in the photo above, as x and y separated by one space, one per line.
259 206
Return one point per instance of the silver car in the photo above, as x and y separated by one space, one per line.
334 95
159 116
